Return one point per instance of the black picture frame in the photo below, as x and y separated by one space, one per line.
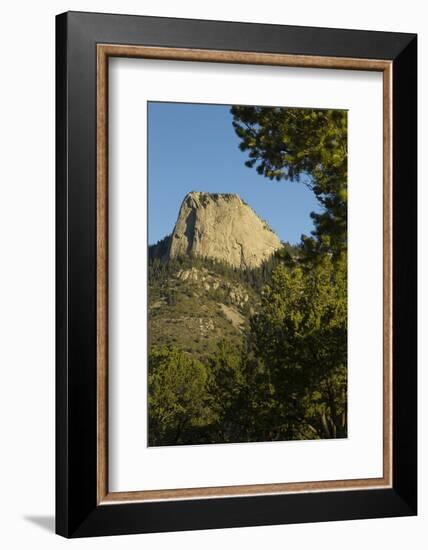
77 511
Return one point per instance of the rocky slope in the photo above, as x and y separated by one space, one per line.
220 227
195 306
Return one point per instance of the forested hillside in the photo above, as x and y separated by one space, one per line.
218 340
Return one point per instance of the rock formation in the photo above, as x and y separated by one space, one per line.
221 227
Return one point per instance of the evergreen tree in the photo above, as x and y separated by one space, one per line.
300 334
178 400
302 144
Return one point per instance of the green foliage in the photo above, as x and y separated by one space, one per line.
300 334
226 384
286 380
302 144
283 378
177 397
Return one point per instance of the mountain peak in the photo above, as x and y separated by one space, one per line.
223 227
205 197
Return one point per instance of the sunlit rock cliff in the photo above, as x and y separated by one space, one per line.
221 227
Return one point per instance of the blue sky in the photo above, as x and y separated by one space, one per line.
193 147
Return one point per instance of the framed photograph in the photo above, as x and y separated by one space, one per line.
236 274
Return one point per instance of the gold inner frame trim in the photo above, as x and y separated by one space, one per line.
104 51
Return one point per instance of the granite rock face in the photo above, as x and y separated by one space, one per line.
221 227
